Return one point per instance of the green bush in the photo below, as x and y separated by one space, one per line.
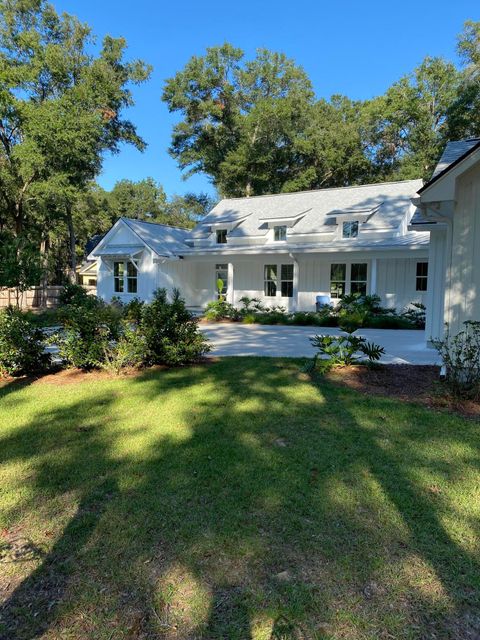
72 294
389 322
22 345
129 351
89 327
171 331
461 356
249 318
345 350
251 305
313 318
415 313
221 310
132 311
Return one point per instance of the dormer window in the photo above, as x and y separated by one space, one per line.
221 236
350 229
280 233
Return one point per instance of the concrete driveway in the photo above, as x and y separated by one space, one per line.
235 339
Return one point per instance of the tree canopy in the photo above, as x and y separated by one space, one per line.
255 127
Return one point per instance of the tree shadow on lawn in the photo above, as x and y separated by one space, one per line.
260 505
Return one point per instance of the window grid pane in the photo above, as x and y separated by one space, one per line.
350 229
337 280
270 280
358 278
286 285
421 281
221 236
280 233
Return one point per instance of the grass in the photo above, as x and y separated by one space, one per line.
239 500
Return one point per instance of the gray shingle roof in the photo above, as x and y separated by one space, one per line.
384 205
452 152
161 238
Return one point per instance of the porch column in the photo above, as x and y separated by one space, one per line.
373 276
295 283
230 292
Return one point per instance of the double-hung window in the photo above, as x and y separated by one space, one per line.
350 229
221 273
338 280
358 278
125 277
280 233
270 280
286 280
422 276
350 278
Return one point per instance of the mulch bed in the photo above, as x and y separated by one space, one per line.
410 383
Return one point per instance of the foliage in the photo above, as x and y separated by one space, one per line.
345 350
461 357
129 351
89 326
250 305
22 346
221 310
20 266
390 321
73 294
171 331
415 313
132 311
61 109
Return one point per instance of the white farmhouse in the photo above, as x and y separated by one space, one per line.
285 249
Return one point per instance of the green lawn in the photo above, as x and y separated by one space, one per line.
238 500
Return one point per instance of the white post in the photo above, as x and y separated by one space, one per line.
295 283
373 276
230 292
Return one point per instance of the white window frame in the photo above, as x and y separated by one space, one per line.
125 278
219 233
421 277
350 224
221 267
348 277
283 233
278 279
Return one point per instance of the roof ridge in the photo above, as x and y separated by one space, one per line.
293 193
157 224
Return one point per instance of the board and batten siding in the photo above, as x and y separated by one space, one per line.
396 282
462 294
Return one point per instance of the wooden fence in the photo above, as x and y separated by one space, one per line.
35 297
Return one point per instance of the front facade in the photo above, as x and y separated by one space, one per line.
284 249
448 206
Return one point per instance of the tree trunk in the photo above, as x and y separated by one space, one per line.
72 272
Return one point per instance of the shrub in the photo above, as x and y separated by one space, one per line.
389 322
357 302
345 350
221 310
22 346
251 305
130 350
132 311
350 321
249 318
89 326
272 317
323 318
461 357
72 294
415 313
171 331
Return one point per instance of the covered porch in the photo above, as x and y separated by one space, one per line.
294 281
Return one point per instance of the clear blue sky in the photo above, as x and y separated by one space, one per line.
353 47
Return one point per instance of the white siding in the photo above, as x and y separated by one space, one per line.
462 297
396 282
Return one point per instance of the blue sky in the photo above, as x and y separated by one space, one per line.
353 47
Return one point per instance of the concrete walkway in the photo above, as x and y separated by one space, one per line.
235 339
